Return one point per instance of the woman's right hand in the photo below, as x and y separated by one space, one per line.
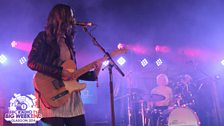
66 75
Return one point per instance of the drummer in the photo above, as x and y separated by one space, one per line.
161 89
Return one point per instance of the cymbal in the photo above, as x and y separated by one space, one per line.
154 97
135 91
135 94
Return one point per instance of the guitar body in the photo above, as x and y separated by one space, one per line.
54 93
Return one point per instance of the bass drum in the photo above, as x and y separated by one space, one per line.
183 116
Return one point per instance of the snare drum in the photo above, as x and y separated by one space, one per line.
181 116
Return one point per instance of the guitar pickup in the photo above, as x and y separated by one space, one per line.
58 84
60 95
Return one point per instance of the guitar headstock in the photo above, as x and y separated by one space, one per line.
119 51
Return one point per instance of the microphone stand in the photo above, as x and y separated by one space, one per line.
110 66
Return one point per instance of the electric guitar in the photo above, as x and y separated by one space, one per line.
54 93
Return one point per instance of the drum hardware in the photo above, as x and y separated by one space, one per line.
129 112
134 98
149 110
178 115
137 107
189 104
183 93
155 117
182 101
175 116
153 97
142 113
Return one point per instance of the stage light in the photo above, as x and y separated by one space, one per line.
217 76
105 63
120 46
13 44
22 60
159 62
162 48
144 62
2 58
222 62
21 45
121 61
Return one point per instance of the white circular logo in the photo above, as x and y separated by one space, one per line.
23 109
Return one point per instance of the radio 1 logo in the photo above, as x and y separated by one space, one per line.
23 109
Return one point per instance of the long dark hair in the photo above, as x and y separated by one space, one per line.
60 21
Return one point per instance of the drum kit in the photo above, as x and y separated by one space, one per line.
179 113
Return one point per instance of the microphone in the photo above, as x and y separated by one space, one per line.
84 24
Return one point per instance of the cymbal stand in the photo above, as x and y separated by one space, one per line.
142 113
130 97
129 111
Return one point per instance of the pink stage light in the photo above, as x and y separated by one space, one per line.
120 46
136 48
139 49
199 53
162 49
13 44
24 46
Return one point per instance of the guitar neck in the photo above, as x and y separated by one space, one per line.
88 67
